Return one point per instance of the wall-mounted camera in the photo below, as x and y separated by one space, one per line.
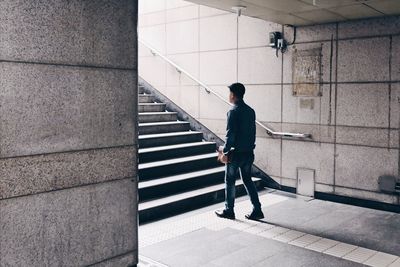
276 41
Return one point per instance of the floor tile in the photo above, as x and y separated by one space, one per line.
322 245
340 250
360 255
396 263
305 240
288 236
381 259
275 231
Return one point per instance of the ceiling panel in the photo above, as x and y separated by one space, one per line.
320 16
356 11
390 7
335 3
283 5
304 12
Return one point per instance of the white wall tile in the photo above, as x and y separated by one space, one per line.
265 100
254 32
153 70
268 155
318 156
188 62
217 126
183 13
186 97
218 67
218 32
151 19
143 51
147 6
182 37
259 65
154 36
212 107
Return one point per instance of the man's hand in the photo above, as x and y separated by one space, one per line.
222 158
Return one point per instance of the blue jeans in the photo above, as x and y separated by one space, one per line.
244 162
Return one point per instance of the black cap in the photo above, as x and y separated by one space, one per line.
237 89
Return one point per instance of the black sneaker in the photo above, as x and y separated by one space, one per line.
225 214
255 215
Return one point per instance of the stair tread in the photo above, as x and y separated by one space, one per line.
186 195
176 160
150 104
162 123
146 136
156 113
162 148
179 177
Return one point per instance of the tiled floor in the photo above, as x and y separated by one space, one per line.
297 231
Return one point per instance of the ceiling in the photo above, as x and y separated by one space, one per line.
304 12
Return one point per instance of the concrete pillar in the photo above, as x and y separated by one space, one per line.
68 142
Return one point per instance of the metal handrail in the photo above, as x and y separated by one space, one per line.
269 131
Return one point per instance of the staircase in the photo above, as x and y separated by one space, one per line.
178 170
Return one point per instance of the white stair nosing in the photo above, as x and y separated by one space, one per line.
151 104
148 136
162 123
160 163
179 177
164 148
186 195
157 113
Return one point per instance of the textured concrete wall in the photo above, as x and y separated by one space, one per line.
355 121
68 143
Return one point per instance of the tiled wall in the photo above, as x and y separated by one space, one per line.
355 123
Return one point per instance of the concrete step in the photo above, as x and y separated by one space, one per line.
164 139
179 183
163 127
179 203
140 89
172 151
146 98
157 116
163 168
151 107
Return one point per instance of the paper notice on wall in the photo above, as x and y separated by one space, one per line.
306 69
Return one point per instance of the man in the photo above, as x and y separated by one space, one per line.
238 153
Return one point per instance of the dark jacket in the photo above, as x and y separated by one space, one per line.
241 128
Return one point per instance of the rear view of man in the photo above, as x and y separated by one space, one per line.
238 153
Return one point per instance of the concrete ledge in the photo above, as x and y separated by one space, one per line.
74 227
91 108
78 32
36 174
